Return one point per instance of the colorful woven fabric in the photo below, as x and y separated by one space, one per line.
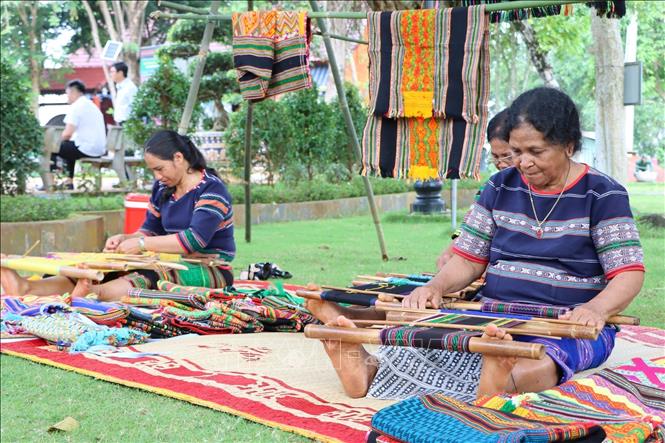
429 86
627 401
77 333
152 302
225 293
439 418
271 52
190 299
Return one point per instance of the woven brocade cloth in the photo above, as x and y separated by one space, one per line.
625 403
429 87
271 52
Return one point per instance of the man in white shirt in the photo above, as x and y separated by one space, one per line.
125 92
85 132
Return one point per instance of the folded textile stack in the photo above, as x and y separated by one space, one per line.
58 325
622 404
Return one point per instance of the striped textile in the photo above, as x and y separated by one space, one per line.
429 87
534 310
136 300
439 418
271 52
627 401
194 300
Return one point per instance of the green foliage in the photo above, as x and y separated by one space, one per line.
344 153
318 189
159 103
218 83
20 135
271 135
297 137
30 208
312 144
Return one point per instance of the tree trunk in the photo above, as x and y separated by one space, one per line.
27 12
538 56
135 13
94 30
610 137
222 119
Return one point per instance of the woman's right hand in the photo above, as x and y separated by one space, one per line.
113 242
423 297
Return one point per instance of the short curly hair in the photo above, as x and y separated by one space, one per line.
551 112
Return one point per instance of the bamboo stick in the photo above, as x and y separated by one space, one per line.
503 348
111 266
350 128
91 274
618 319
503 6
426 324
367 292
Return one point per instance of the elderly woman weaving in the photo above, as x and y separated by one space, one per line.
190 213
548 230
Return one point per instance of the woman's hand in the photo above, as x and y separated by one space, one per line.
423 297
113 242
129 246
586 315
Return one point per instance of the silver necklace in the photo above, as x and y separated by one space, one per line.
539 224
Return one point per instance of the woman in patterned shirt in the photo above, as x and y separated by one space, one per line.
549 231
190 213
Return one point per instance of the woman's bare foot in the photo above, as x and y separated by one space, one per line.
83 288
12 283
355 367
495 376
323 310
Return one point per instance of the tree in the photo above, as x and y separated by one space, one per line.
608 54
219 79
25 27
20 134
123 24
159 103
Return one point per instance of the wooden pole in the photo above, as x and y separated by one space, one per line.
350 128
505 348
503 6
248 160
196 80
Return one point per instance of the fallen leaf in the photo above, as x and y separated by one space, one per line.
68 424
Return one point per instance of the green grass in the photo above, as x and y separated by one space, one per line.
331 251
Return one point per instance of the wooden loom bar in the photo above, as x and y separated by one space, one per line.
618 319
505 348
428 324
503 6
350 129
91 274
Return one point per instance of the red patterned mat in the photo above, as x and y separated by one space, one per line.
282 380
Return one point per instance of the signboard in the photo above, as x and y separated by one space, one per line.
632 83
148 63
112 50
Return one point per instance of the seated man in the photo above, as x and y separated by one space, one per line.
549 231
85 132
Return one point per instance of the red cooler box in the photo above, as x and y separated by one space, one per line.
136 207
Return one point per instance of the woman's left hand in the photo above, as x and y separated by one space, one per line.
586 315
129 246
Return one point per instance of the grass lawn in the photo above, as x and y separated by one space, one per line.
331 251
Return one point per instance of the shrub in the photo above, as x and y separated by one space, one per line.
30 208
271 135
159 103
344 152
21 137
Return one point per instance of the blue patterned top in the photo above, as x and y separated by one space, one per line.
589 238
202 218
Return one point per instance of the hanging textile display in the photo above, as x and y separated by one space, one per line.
271 52
429 87
609 9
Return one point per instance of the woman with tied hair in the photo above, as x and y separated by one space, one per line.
549 231
190 213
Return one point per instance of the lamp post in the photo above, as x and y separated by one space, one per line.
428 197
